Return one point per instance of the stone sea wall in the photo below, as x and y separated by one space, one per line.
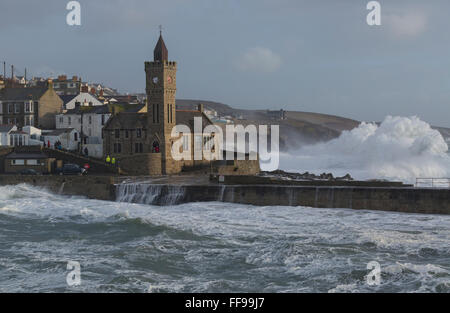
399 199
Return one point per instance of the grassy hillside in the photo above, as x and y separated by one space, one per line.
297 129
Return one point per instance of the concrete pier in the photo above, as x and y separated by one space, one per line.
176 190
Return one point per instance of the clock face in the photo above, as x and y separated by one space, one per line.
169 79
155 80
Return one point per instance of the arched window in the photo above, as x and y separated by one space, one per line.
155 147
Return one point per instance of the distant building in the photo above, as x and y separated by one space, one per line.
28 157
142 142
18 138
69 138
30 106
64 86
81 99
5 131
89 122
277 115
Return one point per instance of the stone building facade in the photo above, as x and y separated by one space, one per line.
142 143
30 106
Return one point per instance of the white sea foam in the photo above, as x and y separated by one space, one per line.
198 247
400 148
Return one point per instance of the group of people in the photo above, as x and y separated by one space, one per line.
57 145
111 160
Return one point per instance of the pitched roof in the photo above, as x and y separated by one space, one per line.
127 120
134 120
6 128
186 117
59 131
97 109
67 98
160 53
24 93
26 155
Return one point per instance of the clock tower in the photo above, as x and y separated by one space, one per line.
161 112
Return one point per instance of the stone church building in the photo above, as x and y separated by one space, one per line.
141 142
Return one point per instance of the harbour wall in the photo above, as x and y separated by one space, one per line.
399 199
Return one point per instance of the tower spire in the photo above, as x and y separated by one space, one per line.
160 53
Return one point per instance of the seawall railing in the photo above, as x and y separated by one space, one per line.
432 182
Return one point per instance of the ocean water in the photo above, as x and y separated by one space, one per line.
400 148
214 247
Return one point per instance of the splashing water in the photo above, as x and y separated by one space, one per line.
214 247
400 148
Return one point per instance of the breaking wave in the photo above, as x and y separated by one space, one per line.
214 247
400 148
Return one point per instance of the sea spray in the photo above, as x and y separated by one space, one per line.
214 246
400 148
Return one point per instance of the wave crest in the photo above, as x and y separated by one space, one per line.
400 148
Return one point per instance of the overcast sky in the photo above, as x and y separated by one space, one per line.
315 55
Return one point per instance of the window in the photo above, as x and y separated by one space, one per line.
18 162
157 113
69 120
29 120
154 113
117 133
75 136
61 120
168 113
138 147
17 108
90 119
1 107
117 148
28 106
126 133
10 107
32 162
103 119
138 133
